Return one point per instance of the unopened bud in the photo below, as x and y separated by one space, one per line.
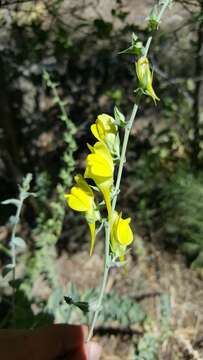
145 77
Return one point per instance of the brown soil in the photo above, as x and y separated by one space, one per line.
153 272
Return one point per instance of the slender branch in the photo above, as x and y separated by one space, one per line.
104 281
19 203
107 225
147 45
123 154
13 247
110 330
163 9
13 255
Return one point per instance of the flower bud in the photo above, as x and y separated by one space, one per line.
145 77
106 131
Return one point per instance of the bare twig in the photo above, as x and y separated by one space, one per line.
140 297
109 330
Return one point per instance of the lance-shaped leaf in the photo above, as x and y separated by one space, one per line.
82 305
15 202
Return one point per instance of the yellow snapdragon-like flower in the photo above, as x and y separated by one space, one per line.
100 168
121 235
81 198
106 131
145 77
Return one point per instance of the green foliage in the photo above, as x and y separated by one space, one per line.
120 309
181 203
17 244
168 202
149 344
68 137
136 47
147 347
43 185
49 227
171 200
165 316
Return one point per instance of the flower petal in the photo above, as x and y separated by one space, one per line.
75 203
99 166
124 232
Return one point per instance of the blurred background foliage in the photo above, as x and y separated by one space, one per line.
59 68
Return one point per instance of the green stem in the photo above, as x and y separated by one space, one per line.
163 9
13 247
13 255
107 225
147 46
123 154
104 281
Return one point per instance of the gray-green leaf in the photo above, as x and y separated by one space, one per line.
18 241
15 202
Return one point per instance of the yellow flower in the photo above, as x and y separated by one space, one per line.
121 235
145 77
100 168
106 132
81 198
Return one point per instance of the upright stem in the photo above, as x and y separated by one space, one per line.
13 255
165 5
107 225
128 128
147 46
104 280
123 153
